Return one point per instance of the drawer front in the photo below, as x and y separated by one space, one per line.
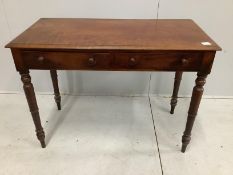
67 60
113 61
159 61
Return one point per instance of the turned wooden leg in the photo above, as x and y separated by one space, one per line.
193 108
173 103
31 99
57 96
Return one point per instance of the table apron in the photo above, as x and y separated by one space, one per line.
108 61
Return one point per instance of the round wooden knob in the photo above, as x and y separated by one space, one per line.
91 61
184 61
132 61
40 58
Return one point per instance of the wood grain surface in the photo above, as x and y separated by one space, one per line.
114 34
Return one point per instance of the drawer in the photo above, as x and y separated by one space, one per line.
159 61
169 61
67 60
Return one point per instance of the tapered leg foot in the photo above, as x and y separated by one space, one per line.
31 99
185 141
58 105
183 149
173 103
42 144
193 109
57 96
41 137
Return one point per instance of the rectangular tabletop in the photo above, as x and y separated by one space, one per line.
114 34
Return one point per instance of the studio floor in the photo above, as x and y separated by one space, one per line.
109 135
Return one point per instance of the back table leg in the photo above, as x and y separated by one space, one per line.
31 99
57 96
176 87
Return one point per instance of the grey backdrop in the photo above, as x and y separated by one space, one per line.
214 16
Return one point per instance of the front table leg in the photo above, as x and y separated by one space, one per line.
193 108
31 99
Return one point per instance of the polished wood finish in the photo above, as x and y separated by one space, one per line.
198 90
67 60
194 105
114 34
160 61
171 61
106 44
31 99
178 77
57 96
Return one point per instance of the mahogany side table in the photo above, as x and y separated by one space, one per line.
116 45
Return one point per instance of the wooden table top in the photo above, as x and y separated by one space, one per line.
114 34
